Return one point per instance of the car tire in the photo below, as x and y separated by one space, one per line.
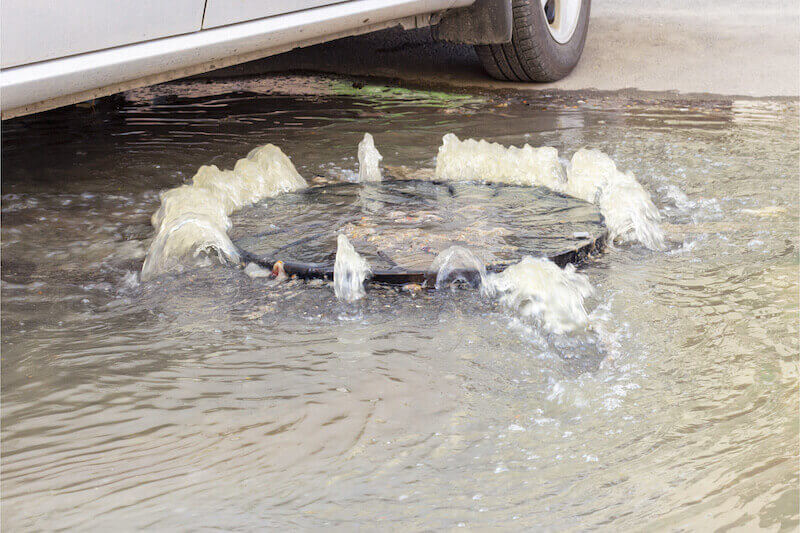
535 53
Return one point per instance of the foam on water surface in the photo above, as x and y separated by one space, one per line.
195 217
187 235
533 288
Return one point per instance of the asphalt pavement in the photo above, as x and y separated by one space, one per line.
720 47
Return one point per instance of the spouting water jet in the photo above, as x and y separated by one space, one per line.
457 266
349 271
368 160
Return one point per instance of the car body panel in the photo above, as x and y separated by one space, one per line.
39 30
47 84
224 12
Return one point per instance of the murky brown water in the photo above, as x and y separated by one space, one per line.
405 224
214 400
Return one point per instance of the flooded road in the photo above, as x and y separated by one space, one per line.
210 399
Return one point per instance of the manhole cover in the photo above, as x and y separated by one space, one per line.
401 226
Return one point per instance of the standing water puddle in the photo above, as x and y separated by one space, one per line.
215 399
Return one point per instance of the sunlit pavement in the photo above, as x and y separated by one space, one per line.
721 47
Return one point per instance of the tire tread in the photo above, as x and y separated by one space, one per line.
525 58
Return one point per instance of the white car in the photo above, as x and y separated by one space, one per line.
58 52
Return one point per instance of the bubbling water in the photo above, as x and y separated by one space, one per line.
187 235
533 288
368 160
349 271
471 160
537 288
194 217
457 264
629 212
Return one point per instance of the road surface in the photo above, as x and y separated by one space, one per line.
721 47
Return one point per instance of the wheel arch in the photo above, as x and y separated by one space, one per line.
484 22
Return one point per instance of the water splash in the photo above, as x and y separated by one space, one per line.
457 264
631 215
534 288
471 160
193 218
368 160
349 271
186 236
592 176
627 207
538 288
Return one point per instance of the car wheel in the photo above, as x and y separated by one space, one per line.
546 41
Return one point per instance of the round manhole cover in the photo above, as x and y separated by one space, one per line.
402 225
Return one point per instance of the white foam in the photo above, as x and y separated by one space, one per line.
187 235
186 199
194 217
538 288
588 172
471 160
591 176
627 207
349 271
368 160
130 280
631 215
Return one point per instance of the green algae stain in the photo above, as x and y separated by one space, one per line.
393 95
